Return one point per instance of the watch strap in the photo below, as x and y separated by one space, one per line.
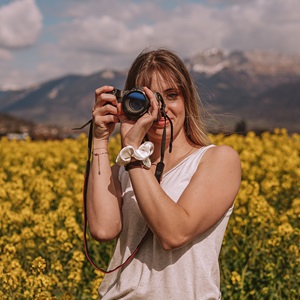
136 164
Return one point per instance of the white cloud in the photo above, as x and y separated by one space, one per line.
261 24
20 24
190 29
120 10
103 35
95 34
122 28
187 29
110 26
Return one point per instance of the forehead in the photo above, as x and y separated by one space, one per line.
157 81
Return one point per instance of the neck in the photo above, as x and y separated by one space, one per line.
180 150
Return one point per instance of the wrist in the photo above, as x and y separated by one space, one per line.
129 153
133 145
100 144
137 164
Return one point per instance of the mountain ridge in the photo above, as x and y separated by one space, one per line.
234 86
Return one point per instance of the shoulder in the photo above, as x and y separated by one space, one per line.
221 153
220 162
222 149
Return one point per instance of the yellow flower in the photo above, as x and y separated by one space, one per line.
10 249
78 256
62 235
285 229
39 265
57 266
235 278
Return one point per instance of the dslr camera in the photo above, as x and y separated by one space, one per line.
135 102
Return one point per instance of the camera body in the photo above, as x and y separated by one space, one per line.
135 102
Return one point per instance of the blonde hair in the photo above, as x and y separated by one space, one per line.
172 69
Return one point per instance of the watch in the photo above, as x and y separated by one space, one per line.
136 164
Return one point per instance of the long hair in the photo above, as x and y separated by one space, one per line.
172 69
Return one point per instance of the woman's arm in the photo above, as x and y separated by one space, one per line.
205 200
104 200
103 194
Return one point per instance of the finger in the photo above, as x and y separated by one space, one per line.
103 94
150 95
106 99
104 110
104 120
106 103
120 109
154 108
103 89
122 117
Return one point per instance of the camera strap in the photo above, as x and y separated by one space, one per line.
160 165
158 175
84 197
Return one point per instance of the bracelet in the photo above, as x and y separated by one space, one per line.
136 164
98 158
143 154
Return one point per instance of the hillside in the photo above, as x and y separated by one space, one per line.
260 88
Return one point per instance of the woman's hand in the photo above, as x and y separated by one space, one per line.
133 132
104 113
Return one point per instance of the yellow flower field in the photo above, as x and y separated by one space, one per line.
41 248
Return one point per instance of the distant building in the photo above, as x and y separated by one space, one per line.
17 136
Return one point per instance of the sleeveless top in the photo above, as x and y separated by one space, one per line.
190 272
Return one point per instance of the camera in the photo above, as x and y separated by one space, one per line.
135 102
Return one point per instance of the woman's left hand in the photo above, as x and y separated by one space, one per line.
133 132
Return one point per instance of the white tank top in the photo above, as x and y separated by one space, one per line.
190 272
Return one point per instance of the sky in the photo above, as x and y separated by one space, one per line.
46 39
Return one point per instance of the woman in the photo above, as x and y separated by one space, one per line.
184 216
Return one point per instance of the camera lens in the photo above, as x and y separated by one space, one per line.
135 104
136 100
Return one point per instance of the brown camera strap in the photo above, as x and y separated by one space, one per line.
85 220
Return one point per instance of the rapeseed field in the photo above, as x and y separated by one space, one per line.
41 247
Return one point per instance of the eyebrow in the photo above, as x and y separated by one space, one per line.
171 89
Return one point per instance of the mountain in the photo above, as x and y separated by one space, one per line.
259 88
65 101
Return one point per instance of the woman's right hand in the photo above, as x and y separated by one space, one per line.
104 113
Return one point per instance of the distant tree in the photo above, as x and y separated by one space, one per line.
241 127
